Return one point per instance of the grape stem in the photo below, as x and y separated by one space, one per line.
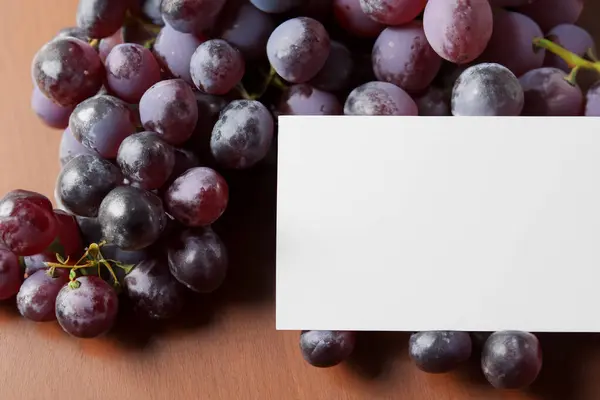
575 62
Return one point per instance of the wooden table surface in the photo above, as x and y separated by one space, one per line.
228 348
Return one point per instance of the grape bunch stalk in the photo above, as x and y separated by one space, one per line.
159 101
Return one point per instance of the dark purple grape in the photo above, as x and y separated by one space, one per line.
174 51
131 69
10 274
350 16
336 72
487 90
87 308
74 32
571 37
146 159
131 218
198 259
298 49
112 252
153 291
184 160
592 105
169 108
433 103
511 359
191 16
217 67
101 123
37 262
275 6
326 349
379 98
547 93
198 197
84 182
67 71
70 148
209 108
36 299
27 222
243 134
52 114
151 11
439 351
550 13
101 18
107 44
393 12
402 56
303 99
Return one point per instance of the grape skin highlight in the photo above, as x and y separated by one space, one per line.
379 98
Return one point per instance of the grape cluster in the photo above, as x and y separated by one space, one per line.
158 98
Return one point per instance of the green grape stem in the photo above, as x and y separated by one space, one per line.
575 62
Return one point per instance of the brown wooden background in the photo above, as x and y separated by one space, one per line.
228 349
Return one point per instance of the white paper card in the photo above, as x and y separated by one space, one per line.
412 223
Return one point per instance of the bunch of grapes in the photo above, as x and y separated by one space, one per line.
158 98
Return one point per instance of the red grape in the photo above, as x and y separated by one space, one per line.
547 93
392 12
68 235
350 16
107 44
10 274
36 299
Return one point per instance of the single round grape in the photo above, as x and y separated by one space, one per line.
511 359
198 197
151 11
112 252
37 262
550 13
174 51
198 259
36 299
243 134
304 99
217 67
487 89
74 32
246 28
326 349
68 237
402 56
337 71
547 93
379 98
393 12
101 18
571 37
101 123
511 43
52 114
131 218
153 291
131 69
592 105
433 103
184 160
88 308
90 228
84 182
298 49
27 222
10 274
169 108
67 71
70 148
275 6
146 159
439 351
191 16
350 16
458 30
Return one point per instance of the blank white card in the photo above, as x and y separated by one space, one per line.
410 224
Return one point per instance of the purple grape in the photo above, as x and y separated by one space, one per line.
217 67
169 108
379 98
298 49
10 274
511 43
592 106
191 16
439 351
51 113
547 93
184 160
433 103
393 12
324 349
112 252
511 359
243 134
87 308
303 99
458 30
209 107
275 6
153 291
101 18
550 13
197 198
74 32
146 159
402 56
487 90
131 69
336 72
36 299
198 259
70 148
67 71
131 218
571 37
37 262
174 51
101 123
350 16
84 182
